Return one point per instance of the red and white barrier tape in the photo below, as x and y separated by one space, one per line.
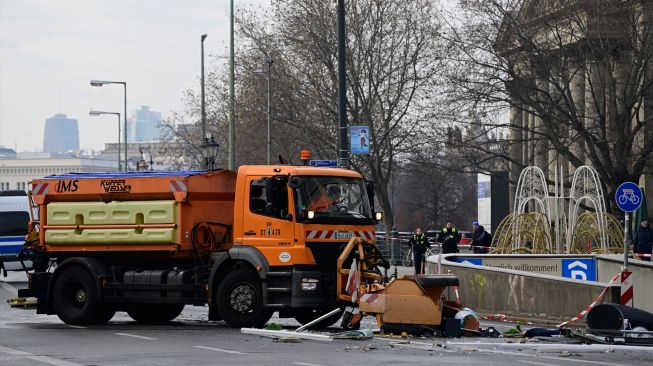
593 304
642 255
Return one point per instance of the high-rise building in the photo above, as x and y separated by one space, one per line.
61 134
144 125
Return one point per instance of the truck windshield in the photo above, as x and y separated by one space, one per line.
333 200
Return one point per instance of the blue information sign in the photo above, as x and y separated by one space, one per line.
323 163
579 269
628 196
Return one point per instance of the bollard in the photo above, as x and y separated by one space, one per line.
626 288
395 248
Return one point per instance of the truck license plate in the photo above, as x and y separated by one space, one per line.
344 234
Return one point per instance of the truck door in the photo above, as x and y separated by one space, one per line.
267 221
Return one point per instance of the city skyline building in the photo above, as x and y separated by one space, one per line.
61 134
144 125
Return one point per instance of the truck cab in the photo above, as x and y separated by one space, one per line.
300 219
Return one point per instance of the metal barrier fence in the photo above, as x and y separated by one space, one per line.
396 248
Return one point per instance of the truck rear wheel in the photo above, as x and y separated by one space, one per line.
240 300
154 313
75 298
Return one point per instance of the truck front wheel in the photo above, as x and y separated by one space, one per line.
240 300
75 297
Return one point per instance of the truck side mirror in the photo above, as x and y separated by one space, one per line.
369 187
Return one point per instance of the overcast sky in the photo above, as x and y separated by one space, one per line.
53 48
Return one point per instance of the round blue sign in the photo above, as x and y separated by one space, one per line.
628 196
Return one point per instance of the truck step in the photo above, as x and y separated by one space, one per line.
284 290
280 274
22 302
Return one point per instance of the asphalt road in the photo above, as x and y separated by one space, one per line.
30 339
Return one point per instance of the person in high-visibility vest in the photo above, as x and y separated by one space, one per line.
449 237
419 243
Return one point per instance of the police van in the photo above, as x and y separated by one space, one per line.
14 217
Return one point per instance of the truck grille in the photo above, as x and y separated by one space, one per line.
326 254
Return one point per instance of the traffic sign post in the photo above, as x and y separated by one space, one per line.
628 197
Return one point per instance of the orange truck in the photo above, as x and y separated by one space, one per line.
148 243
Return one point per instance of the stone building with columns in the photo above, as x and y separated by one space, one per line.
579 79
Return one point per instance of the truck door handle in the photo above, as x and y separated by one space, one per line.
250 232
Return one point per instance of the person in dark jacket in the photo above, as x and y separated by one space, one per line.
643 241
481 239
419 243
449 237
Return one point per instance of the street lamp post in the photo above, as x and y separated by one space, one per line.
343 144
232 101
124 84
268 70
202 38
99 113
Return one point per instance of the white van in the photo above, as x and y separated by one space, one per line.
14 217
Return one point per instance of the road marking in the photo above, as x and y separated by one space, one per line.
76 326
551 357
135 336
307 364
9 288
52 361
220 350
537 363
44 359
12 351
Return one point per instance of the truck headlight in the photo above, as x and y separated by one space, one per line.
309 284
378 216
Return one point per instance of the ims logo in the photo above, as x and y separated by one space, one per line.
66 186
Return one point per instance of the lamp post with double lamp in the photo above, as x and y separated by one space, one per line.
209 151
266 73
124 84
99 113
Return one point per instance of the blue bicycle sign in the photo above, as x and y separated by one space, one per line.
628 196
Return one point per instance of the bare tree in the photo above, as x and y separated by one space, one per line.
392 64
570 80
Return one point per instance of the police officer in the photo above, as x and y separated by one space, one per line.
449 237
418 243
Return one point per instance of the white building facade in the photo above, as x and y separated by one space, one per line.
17 173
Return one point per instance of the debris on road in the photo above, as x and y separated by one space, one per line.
287 334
